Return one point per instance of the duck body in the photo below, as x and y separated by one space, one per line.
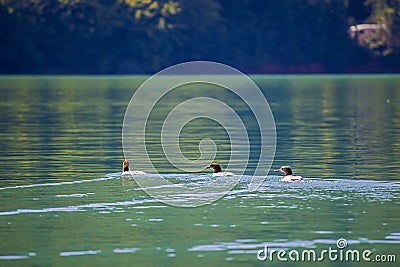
218 171
292 178
289 177
127 172
133 173
219 174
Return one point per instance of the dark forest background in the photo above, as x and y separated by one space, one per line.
145 36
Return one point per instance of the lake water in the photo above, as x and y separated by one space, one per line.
64 202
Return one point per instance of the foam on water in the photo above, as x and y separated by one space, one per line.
322 189
108 177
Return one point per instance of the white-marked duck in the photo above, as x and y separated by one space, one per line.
218 171
126 171
289 177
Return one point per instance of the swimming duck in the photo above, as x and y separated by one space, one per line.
125 169
218 171
289 177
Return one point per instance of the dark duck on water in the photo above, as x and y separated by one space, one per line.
127 171
289 177
218 171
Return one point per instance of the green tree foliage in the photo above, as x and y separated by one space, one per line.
87 36
387 12
288 32
144 36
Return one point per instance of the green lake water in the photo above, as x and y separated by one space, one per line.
63 202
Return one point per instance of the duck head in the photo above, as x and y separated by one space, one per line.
215 166
125 166
285 169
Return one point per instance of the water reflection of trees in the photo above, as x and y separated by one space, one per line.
326 126
339 125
